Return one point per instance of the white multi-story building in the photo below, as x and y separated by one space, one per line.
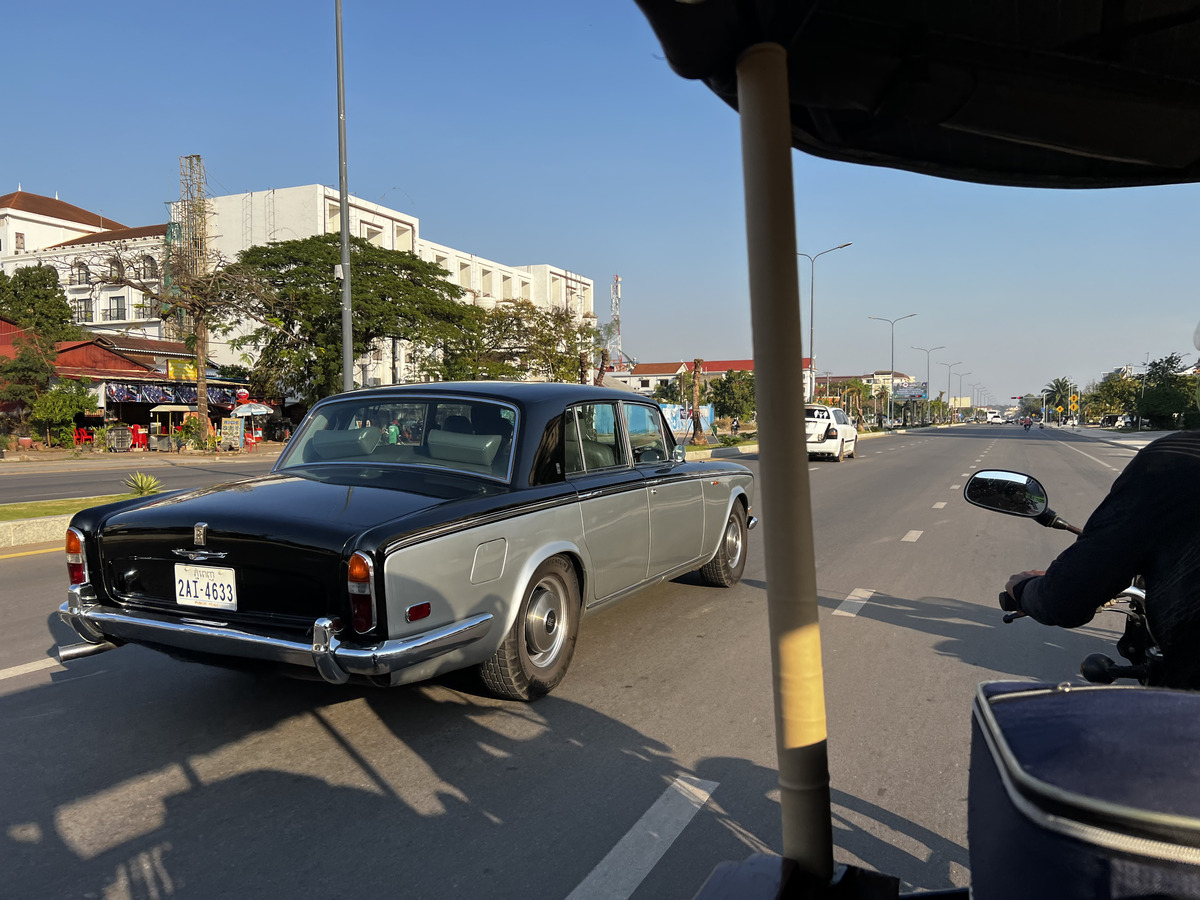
239 221
36 230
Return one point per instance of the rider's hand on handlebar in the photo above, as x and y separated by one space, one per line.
1008 600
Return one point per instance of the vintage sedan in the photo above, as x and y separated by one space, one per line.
413 530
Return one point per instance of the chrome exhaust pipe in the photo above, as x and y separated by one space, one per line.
78 651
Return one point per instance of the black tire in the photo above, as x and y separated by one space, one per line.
538 648
725 569
841 454
853 454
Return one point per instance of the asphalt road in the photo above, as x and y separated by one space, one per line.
23 482
130 775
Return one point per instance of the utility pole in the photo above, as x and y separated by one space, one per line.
344 215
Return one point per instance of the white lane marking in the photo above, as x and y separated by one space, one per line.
940 505
618 875
955 487
813 468
1089 456
965 475
853 603
14 671
912 536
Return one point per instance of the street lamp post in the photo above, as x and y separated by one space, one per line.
949 369
892 375
928 383
962 375
812 280
972 385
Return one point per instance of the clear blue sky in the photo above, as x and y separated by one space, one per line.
555 132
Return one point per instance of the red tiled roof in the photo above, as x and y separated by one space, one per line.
658 368
116 234
56 209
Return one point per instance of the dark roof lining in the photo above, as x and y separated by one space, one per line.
1072 94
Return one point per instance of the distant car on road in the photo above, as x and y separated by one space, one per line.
830 432
476 535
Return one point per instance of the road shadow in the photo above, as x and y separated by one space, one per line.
978 636
135 776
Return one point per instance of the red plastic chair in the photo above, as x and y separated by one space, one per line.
82 436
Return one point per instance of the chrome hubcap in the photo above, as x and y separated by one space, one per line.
733 542
545 621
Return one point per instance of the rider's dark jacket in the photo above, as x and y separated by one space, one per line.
1148 525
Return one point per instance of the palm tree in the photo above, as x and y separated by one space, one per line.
1058 393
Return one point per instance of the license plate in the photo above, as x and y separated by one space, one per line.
209 586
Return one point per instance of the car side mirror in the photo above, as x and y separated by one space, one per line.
679 454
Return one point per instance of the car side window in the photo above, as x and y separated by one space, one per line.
646 439
592 438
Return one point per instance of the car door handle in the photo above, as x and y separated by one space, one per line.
654 490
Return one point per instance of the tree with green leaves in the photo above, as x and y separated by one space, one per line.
1058 393
289 289
1113 395
733 394
679 390
1167 393
33 298
53 412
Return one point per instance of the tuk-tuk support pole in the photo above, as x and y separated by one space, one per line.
800 733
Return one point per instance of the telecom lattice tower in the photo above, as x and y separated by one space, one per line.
614 342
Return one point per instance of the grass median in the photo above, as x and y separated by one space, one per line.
10 512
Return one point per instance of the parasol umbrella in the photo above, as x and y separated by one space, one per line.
253 409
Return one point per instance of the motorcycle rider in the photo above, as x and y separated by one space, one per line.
1145 526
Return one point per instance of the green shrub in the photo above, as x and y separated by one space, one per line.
141 484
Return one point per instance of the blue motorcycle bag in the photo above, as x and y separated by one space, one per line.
1084 792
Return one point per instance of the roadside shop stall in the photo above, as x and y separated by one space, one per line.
167 419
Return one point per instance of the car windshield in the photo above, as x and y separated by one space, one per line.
465 435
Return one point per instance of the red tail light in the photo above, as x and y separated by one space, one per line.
76 568
830 432
360 584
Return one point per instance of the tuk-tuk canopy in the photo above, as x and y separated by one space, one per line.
1022 92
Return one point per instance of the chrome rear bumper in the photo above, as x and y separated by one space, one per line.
333 659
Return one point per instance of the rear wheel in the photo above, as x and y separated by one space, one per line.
538 648
725 569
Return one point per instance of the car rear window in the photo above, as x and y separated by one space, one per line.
465 435
816 413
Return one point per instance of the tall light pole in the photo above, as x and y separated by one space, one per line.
949 369
972 385
927 381
962 375
892 375
344 217
812 280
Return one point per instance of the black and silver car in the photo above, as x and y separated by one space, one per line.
413 530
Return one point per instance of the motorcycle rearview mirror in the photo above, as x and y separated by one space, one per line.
1014 494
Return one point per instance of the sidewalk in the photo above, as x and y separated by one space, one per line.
22 532
39 461
1133 440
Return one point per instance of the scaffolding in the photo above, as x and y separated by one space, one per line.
189 233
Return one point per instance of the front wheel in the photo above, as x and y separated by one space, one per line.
725 569
841 452
853 454
538 648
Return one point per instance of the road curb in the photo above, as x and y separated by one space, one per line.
33 531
